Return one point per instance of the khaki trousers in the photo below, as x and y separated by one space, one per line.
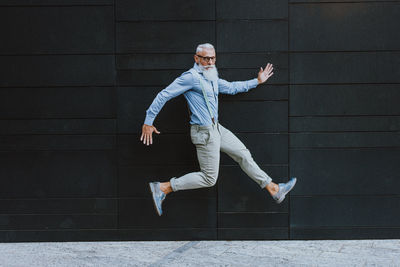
209 141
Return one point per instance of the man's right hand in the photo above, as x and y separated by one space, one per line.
147 132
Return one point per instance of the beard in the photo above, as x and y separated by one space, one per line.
210 72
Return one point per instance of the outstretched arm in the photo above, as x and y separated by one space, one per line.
177 87
233 88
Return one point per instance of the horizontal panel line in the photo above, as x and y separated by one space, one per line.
343 2
55 227
61 134
63 5
186 133
55 150
74 53
111 86
339 51
343 116
143 51
125 85
191 53
55 214
61 198
254 100
58 54
180 69
286 51
381 83
138 87
343 148
343 227
106 229
94 134
60 119
240 228
251 212
345 195
328 132
216 20
173 69
195 165
170 197
144 21
121 165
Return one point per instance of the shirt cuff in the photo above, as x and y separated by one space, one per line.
148 120
253 83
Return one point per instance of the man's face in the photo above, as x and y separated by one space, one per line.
206 57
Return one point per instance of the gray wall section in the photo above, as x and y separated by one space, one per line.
58 120
344 119
77 77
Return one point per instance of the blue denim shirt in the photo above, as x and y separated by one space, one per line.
190 87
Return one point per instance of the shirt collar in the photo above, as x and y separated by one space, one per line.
196 67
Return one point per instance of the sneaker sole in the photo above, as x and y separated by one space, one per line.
281 199
151 186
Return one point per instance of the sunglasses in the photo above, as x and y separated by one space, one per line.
206 58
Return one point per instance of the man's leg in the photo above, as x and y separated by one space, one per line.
207 142
231 145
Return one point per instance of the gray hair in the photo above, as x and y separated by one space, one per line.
200 47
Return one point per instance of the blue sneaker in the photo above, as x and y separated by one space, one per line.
284 189
158 196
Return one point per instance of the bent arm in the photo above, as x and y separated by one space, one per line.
232 88
176 88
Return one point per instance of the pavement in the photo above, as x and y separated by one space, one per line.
203 253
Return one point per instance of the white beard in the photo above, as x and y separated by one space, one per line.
210 73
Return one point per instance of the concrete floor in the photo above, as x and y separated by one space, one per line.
203 253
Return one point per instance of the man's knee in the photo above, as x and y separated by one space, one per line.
210 178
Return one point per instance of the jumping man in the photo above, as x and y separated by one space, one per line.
201 86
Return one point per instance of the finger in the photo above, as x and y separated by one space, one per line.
144 139
148 140
269 68
151 140
141 137
261 70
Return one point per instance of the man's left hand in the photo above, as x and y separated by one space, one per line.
263 75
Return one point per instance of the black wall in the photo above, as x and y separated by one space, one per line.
76 78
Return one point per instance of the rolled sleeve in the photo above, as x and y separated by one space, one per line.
176 88
233 88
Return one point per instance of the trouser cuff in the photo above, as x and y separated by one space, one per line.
265 183
173 184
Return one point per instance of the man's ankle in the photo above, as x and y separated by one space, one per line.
272 188
166 187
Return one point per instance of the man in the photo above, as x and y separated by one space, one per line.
201 86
